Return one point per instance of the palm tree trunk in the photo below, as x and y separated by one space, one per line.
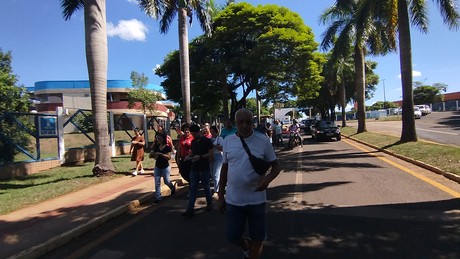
184 63
359 84
408 132
97 59
343 103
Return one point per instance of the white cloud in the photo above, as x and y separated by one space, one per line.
132 1
130 30
414 74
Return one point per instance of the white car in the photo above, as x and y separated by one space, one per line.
417 112
424 109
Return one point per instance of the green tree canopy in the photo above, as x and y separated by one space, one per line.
424 94
264 48
13 98
147 98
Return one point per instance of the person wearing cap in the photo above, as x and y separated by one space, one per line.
201 154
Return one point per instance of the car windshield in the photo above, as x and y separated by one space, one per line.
326 124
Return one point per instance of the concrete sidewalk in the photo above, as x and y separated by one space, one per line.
33 231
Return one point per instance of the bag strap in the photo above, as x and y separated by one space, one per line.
245 146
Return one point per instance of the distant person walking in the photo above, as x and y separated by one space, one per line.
242 191
137 151
216 164
162 154
228 129
201 154
278 134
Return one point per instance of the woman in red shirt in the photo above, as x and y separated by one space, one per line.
183 149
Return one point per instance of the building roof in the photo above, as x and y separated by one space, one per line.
84 84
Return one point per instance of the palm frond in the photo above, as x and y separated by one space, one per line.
152 8
418 12
450 13
70 6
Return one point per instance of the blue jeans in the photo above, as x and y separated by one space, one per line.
162 172
215 170
195 177
238 216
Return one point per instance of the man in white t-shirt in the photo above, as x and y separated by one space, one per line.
241 190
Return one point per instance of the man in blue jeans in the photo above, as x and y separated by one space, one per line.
241 190
201 153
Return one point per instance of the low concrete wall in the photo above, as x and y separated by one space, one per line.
26 168
72 156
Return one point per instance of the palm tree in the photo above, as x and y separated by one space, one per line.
343 33
348 29
396 15
166 10
96 58
338 75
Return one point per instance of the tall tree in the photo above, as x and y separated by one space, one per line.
140 94
12 99
350 33
245 37
166 10
399 15
424 94
97 60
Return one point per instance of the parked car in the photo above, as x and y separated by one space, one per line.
417 112
307 127
325 129
424 109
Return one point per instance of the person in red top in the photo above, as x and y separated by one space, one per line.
207 131
183 149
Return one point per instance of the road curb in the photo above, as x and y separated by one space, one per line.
434 169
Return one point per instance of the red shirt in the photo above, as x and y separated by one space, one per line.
185 144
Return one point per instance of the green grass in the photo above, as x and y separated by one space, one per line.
32 189
444 157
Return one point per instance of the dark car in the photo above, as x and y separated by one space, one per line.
325 129
307 125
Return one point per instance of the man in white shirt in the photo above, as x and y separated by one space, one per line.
242 192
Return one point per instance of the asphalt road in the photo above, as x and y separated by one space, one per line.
332 200
440 127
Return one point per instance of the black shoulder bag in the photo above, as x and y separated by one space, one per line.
261 166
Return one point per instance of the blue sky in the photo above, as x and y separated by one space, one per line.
46 47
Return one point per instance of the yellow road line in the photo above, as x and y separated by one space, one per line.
407 170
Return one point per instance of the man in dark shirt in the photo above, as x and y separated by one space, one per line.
201 153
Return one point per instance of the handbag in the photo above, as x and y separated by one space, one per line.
260 165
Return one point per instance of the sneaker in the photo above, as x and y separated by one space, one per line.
188 214
173 190
134 173
209 207
156 201
142 171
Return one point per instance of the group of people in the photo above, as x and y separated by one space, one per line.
204 154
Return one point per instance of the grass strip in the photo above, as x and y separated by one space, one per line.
444 157
28 190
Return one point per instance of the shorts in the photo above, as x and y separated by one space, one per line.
238 216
